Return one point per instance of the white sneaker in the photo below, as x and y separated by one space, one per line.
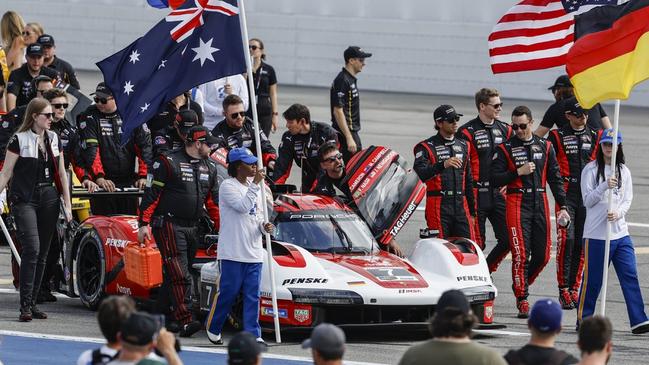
214 338
260 341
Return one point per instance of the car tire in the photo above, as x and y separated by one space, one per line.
90 269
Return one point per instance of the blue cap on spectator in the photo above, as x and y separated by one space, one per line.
546 315
241 154
326 337
607 136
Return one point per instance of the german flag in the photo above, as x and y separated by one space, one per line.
611 52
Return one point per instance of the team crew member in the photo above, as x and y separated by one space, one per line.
183 180
484 134
214 92
173 137
300 144
110 164
65 70
442 162
575 146
345 102
237 130
167 117
69 138
19 87
330 182
265 82
35 166
525 165
14 118
596 179
240 251
563 90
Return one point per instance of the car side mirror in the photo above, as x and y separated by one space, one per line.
428 233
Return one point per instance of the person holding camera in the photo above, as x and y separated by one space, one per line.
240 253
182 182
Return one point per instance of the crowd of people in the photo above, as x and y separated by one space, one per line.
483 169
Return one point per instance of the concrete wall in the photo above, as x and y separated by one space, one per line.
419 46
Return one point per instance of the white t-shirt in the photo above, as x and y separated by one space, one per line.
595 195
241 219
86 357
214 94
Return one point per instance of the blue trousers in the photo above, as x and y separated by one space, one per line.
622 255
237 277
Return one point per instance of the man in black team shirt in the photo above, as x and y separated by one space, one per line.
65 70
562 90
300 144
19 87
345 104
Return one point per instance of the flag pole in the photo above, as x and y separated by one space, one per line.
255 119
607 243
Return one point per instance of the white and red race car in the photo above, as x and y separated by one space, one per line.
329 265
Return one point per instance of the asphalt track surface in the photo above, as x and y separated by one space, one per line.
398 121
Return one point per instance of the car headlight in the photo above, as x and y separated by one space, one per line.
325 296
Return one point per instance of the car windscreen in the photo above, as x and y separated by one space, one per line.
385 200
318 231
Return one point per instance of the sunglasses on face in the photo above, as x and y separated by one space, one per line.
454 120
253 47
47 115
102 100
26 34
338 156
496 106
521 126
60 106
237 115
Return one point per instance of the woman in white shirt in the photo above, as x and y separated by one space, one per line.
596 179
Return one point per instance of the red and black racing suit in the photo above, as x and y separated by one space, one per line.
450 205
230 138
172 205
105 157
303 149
484 140
528 215
574 150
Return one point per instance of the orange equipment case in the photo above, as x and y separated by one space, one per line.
143 265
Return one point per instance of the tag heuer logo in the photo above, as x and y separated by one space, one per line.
301 315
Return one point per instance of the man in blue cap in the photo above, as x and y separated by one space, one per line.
240 253
544 324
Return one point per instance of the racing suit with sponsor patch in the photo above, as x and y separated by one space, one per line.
245 137
484 140
105 157
172 205
528 216
449 197
303 149
574 149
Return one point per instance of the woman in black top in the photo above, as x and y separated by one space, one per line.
34 164
265 83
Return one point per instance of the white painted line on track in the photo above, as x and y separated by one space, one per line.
185 348
630 224
501 332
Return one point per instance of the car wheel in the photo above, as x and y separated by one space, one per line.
236 314
90 270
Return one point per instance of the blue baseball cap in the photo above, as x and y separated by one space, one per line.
607 136
545 316
241 154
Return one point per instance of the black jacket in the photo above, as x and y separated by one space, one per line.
180 186
245 137
104 156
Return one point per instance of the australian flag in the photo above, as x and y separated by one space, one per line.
198 42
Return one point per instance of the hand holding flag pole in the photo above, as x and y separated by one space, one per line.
255 119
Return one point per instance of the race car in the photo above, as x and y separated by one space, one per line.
328 259
329 265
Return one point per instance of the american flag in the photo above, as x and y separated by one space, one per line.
536 34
